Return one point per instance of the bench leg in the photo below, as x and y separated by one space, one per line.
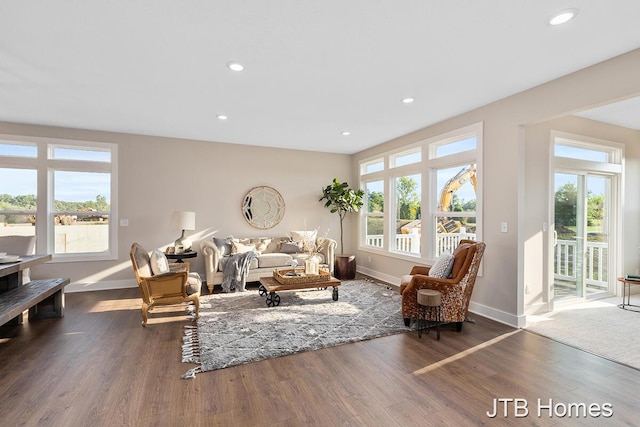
50 307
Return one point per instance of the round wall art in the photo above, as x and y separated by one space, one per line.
263 207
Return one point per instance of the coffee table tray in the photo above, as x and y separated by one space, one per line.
284 276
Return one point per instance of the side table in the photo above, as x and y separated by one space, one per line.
626 294
182 256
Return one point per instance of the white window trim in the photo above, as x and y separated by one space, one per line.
45 168
426 167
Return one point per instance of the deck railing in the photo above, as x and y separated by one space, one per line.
446 242
566 262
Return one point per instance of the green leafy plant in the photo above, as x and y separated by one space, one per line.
341 199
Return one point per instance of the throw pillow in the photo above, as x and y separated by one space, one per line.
262 245
240 248
223 245
307 238
159 263
290 247
442 267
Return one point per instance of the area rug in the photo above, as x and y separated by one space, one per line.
598 327
238 328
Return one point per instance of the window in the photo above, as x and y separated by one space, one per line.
432 193
373 215
18 201
62 192
455 211
407 202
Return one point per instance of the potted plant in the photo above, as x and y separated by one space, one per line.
341 199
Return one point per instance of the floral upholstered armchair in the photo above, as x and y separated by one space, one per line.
456 287
173 285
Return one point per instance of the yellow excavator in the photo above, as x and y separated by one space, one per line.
446 195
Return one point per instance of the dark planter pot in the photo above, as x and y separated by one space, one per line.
345 267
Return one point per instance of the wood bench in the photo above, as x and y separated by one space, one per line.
43 298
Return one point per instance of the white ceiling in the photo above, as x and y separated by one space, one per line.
313 68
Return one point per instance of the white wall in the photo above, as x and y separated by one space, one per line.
160 175
154 182
499 293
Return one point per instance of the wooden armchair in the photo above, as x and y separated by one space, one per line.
456 290
161 289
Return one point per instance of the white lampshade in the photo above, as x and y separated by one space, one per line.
184 220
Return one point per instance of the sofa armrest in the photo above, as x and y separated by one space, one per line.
212 257
327 247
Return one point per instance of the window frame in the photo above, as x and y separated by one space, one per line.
45 167
427 168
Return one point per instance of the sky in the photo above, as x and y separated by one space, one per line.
69 186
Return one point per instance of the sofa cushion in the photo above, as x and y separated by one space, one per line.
269 260
442 267
303 256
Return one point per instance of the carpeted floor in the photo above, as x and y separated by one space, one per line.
237 328
599 327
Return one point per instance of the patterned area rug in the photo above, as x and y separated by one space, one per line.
238 328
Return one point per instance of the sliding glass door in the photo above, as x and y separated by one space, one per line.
582 207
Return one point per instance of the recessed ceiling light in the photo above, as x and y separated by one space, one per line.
222 117
562 16
407 100
235 66
346 133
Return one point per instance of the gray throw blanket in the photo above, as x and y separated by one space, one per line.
235 271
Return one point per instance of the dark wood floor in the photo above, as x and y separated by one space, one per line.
97 366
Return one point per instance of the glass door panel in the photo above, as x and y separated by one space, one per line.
581 240
569 236
598 234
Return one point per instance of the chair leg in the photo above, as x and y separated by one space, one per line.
407 321
144 310
459 326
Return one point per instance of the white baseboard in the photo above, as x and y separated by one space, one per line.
392 280
482 310
498 315
103 285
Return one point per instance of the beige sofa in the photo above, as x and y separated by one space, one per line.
272 253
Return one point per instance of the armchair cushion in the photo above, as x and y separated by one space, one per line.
443 266
159 262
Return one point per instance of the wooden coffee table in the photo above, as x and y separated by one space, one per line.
269 286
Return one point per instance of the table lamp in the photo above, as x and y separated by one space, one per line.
183 221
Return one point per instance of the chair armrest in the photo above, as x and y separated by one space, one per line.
421 281
420 269
179 266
